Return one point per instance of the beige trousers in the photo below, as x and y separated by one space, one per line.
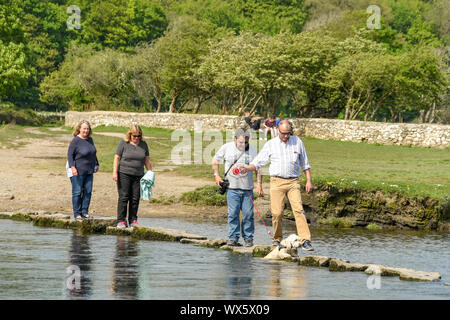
279 188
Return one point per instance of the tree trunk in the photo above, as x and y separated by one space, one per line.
172 104
421 116
252 110
158 100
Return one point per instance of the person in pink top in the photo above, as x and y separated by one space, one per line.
270 125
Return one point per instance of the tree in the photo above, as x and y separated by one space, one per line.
180 49
272 16
106 77
146 79
62 87
121 24
421 83
13 69
371 81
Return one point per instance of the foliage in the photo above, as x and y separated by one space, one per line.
13 68
10 114
121 24
207 195
62 87
288 57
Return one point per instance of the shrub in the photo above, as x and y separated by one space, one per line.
207 195
10 114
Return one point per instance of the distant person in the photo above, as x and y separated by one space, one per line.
286 155
255 125
240 189
128 168
82 163
270 125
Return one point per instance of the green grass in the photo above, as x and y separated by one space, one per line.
338 222
14 136
206 195
407 170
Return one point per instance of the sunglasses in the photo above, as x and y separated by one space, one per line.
284 133
136 136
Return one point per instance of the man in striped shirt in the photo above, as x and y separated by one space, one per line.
286 153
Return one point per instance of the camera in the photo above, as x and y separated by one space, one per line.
224 186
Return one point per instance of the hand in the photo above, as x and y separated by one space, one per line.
115 177
74 171
309 186
259 189
218 180
243 169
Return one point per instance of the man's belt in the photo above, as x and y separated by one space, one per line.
284 177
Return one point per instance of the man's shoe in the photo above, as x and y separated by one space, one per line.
307 246
122 224
248 243
233 243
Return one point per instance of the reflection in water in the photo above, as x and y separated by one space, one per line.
287 283
239 280
80 259
125 274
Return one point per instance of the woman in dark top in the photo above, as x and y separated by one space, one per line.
128 169
82 158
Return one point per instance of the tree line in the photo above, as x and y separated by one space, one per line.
304 58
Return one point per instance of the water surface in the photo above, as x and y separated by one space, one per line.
34 263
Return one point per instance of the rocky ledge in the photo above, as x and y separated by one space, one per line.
106 225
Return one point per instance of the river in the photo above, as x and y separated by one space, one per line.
36 263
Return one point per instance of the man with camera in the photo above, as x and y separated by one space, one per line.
238 186
286 154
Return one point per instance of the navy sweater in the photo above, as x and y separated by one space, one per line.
82 155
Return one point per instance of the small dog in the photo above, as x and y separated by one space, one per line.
287 249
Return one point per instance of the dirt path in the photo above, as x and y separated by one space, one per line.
35 176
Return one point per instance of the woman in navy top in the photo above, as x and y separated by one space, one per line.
82 158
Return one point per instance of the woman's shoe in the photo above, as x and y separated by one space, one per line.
86 216
78 218
134 224
122 224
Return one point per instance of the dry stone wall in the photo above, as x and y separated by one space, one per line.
405 134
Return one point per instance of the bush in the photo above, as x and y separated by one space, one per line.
10 114
207 195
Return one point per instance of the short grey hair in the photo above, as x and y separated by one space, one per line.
241 132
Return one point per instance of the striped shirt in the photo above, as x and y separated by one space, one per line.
285 158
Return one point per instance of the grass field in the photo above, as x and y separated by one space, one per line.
410 171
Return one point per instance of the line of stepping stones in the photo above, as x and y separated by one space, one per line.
107 225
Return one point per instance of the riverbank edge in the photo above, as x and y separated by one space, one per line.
106 226
348 207
345 207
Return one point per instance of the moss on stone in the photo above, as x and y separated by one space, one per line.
261 251
308 261
373 226
21 217
118 231
151 234
49 222
343 222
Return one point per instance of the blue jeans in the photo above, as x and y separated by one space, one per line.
238 200
81 193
